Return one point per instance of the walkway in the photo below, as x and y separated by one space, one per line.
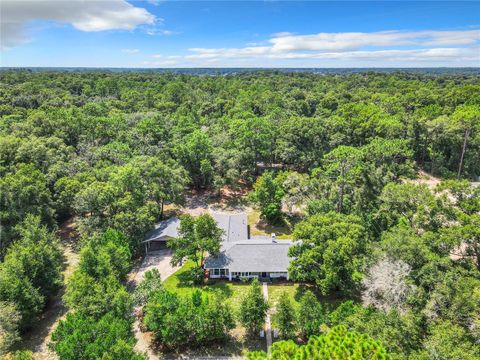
268 332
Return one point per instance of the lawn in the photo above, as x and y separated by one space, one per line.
233 291
260 227
277 290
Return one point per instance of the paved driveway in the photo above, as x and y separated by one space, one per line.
160 260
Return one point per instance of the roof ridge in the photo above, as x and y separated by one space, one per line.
228 235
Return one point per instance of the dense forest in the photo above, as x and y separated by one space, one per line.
337 154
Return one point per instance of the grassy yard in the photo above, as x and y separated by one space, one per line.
260 227
291 290
233 291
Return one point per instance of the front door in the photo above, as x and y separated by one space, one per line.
264 275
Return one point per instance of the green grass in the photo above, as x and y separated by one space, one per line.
276 291
232 291
260 227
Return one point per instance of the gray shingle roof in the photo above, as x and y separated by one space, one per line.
233 225
253 256
238 253
164 230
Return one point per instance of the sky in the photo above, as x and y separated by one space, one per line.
162 34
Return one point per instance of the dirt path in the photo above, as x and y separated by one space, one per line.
38 338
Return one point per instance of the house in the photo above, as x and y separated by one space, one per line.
240 257
251 259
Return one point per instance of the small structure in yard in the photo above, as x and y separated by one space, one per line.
240 256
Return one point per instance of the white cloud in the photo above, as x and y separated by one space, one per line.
395 48
130 51
358 40
156 31
434 54
160 56
282 34
92 15
203 53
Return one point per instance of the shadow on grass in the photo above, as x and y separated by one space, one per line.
185 281
282 228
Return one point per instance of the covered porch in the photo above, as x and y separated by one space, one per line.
222 273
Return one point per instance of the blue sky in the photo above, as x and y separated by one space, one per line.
117 33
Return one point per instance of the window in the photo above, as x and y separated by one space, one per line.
216 272
222 272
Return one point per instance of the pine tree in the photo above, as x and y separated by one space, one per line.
253 309
285 317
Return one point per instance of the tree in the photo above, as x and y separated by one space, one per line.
106 254
198 236
404 244
302 142
253 138
195 154
330 251
447 341
412 203
465 234
253 309
296 189
129 198
151 283
83 337
9 326
267 194
96 297
386 287
338 343
164 181
310 315
23 192
285 316
456 298
344 165
400 334
31 271
187 321
95 289
467 117
464 195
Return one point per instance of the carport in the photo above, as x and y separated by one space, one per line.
163 232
